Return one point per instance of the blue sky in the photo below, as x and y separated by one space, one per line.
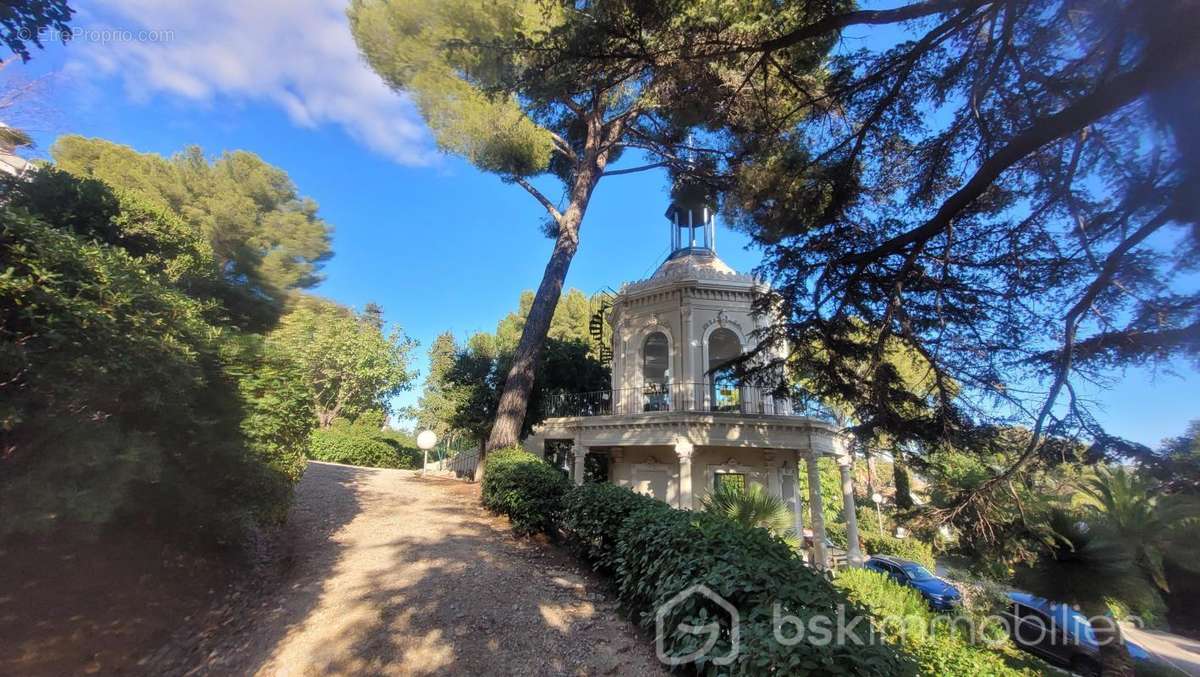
438 244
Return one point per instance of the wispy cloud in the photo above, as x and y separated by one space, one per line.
297 54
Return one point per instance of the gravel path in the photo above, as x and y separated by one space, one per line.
394 574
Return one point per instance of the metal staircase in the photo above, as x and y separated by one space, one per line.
596 327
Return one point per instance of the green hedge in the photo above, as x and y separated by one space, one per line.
525 488
593 515
655 552
336 446
904 548
939 648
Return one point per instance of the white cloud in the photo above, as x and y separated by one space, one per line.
297 54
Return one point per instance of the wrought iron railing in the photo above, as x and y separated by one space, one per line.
693 397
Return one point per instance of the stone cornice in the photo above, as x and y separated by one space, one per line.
696 275
683 419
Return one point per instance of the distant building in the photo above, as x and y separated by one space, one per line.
677 423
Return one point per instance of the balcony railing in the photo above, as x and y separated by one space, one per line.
693 397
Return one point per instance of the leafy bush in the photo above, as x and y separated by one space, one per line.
593 515
836 533
655 552
131 396
886 599
525 488
904 548
904 618
947 655
365 442
335 446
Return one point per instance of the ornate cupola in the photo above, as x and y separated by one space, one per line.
694 314
693 226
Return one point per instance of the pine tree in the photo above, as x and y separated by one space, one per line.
497 85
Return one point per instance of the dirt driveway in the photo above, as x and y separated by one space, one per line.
394 574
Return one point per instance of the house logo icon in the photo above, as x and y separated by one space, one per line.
712 631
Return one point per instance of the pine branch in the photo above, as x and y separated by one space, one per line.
537 195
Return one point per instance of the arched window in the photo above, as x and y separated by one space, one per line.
656 372
723 348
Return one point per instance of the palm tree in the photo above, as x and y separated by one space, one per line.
1083 563
752 507
1152 525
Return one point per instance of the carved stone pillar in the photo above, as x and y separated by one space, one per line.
684 450
580 463
849 512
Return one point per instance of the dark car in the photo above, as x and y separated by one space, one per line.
1059 634
941 595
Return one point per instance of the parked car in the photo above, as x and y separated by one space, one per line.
1059 634
940 593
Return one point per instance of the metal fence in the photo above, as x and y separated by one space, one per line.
694 397
461 461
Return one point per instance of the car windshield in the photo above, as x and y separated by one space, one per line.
917 572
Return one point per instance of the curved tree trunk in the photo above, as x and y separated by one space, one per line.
510 414
514 400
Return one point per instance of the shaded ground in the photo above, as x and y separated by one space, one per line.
69 606
394 574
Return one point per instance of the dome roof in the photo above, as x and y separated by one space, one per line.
692 261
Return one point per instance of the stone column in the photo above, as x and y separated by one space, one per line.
616 460
818 519
774 481
853 552
684 450
580 460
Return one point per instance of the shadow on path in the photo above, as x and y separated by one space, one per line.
395 574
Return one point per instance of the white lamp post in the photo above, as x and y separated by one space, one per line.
425 441
877 498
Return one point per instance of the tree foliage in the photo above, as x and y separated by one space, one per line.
1156 528
437 405
463 394
126 392
497 85
23 22
264 235
350 365
1005 187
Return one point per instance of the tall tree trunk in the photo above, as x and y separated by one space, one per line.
510 414
902 480
514 400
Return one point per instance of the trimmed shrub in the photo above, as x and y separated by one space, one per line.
593 515
525 488
904 548
337 446
656 552
409 458
903 617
